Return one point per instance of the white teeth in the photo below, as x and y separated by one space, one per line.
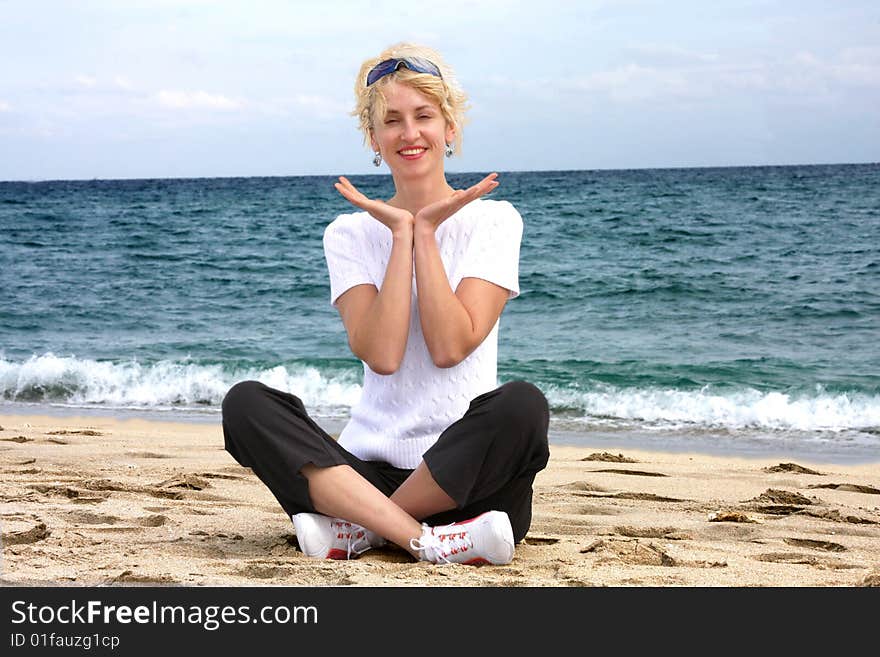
412 151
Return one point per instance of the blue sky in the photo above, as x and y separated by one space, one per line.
191 88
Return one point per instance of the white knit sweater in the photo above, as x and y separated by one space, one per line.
399 416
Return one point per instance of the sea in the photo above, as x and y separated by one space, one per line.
730 310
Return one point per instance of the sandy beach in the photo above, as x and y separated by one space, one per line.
99 501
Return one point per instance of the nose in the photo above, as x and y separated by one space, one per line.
410 131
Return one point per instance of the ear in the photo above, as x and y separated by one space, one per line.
450 133
373 143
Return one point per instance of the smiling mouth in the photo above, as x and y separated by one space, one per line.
412 151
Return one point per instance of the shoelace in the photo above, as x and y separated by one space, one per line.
443 545
357 542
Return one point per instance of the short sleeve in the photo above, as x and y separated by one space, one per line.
493 250
345 256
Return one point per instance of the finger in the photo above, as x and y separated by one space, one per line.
486 184
345 182
480 189
351 195
488 179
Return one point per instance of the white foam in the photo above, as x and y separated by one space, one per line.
182 385
744 408
163 384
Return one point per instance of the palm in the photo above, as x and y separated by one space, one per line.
439 211
387 214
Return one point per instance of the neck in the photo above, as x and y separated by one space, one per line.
413 195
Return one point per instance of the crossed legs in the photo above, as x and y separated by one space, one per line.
339 491
491 454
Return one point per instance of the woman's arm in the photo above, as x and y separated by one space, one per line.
377 321
454 324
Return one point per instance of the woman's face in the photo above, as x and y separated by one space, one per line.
413 134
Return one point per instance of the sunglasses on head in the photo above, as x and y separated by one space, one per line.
416 64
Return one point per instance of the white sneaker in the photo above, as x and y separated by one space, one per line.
486 539
323 537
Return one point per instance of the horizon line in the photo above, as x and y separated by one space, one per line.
330 175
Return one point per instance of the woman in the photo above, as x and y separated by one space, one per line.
435 458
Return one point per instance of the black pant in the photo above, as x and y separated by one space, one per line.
485 461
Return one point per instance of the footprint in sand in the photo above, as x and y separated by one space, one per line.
871 580
638 473
531 539
89 518
776 496
188 481
649 497
108 485
611 458
72 432
667 533
791 467
805 559
827 546
631 552
147 455
74 494
19 529
152 521
263 571
595 510
852 488
836 516
130 577
780 502
575 487
637 553
724 515
214 475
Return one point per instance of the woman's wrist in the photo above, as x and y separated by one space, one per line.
423 228
403 231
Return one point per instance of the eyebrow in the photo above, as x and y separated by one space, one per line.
417 109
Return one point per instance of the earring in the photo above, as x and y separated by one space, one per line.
377 160
449 150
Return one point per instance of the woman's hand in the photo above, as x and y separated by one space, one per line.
396 219
431 216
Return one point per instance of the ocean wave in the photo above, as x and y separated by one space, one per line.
72 381
332 389
743 408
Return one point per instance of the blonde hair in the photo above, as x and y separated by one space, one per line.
444 90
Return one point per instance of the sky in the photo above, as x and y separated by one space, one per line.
192 88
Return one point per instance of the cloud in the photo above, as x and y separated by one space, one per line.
687 79
197 100
322 106
86 81
123 83
654 55
634 83
5 107
852 66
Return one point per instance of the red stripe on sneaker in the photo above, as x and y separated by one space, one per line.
336 553
464 522
479 561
